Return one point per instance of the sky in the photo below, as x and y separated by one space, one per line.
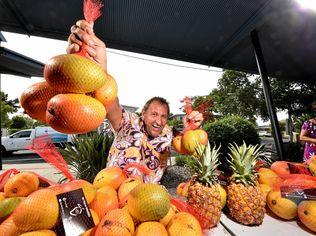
138 79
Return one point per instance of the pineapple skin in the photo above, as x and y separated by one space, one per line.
206 201
246 203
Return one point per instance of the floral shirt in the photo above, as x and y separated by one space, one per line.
310 148
132 144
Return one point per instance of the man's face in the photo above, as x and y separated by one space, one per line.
155 118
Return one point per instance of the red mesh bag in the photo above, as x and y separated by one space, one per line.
188 109
181 205
299 188
5 176
285 169
45 148
91 12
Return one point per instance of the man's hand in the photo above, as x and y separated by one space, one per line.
96 49
193 120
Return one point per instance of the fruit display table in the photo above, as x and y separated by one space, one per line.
220 230
271 226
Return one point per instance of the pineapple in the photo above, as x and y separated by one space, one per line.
203 192
246 201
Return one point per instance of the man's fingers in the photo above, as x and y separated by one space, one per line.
73 39
72 48
85 26
83 36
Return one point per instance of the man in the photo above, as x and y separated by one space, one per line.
146 139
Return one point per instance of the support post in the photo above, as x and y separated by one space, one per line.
267 93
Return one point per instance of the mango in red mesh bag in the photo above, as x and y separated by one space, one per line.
116 222
38 211
184 224
151 228
148 202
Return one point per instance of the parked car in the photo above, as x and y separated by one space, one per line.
24 138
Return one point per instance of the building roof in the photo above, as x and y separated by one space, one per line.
17 64
212 33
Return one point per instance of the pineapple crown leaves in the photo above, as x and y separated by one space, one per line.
242 161
87 154
204 164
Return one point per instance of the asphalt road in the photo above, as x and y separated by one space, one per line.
21 157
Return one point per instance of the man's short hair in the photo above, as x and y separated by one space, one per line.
160 100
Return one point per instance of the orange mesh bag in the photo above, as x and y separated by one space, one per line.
73 111
186 142
185 207
179 204
5 176
285 169
299 188
188 109
116 222
44 147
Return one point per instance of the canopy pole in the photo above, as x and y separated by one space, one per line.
1 39
267 93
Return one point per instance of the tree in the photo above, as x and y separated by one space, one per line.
18 122
239 93
236 95
204 104
293 97
7 107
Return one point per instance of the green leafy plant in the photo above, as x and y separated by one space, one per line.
231 129
88 154
182 160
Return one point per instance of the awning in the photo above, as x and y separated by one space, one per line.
16 64
213 33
